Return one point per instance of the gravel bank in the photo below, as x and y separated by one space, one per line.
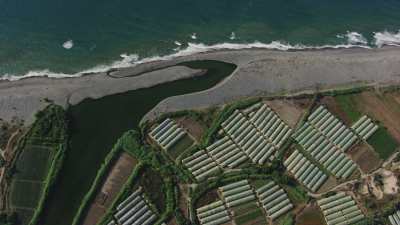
259 72
25 97
262 72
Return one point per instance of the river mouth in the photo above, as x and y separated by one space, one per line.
95 126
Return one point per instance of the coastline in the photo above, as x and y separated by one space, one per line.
259 72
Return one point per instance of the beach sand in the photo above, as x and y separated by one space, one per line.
259 72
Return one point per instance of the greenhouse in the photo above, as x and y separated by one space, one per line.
274 200
340 208
167 134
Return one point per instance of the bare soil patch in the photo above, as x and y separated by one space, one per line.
207 198
366 158
383 107
115 180
328 185
172 221
335 108
289 110
195 128
183 200
311 215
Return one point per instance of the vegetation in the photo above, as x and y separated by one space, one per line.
40 154
296 193
349 106
49 182
104 168
383 143
287 220
157 170
250 216
124 193
180 147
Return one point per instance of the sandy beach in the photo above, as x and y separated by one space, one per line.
259 72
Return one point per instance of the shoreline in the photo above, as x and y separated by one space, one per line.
259 71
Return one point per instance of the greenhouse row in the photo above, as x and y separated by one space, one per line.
237 193
226 153
340 209
270 125
213 214
365 127
305 171
167 133
274 200
201 165
394 219
332 128
134 210
248 138
325 152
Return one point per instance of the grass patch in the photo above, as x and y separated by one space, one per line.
243 209
349 106
152 183
296 193
287 220
259 183
383 143
254 215
33 163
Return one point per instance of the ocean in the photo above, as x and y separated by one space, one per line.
62 38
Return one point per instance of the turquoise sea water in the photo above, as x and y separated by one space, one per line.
97 32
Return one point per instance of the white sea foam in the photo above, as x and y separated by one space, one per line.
193 36
68 44
354 38
233 36
387 38
177 43
128 60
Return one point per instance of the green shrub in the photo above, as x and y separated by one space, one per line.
383 143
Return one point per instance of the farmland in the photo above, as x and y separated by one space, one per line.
40 154
313 159
261 161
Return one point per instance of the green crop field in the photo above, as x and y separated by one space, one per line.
243 209
25 194
24 216
296 193
254 215
349 106
259 183
35 158
33 163
383 143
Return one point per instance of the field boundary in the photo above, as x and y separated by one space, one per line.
101 173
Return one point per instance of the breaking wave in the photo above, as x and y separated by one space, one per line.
387 38
353 40
68 44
